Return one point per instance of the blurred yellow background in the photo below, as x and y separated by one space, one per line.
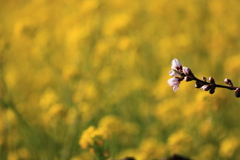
81 79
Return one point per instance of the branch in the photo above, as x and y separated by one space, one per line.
181 73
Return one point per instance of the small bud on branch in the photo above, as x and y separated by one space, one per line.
228 82
185 73
237 92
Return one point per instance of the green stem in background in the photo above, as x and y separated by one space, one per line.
8 103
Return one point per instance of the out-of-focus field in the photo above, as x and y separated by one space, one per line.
87 79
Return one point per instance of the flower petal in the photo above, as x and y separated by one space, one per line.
187 71
175 88
173 73
174 82
206 87
176 64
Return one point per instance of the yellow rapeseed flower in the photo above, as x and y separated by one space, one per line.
110 124
229 146
179 142
205 127
48 98
87 137
116 23
92 136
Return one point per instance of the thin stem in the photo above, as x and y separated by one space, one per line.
216 85
227 87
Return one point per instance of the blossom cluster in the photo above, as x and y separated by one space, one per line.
95 140
181 73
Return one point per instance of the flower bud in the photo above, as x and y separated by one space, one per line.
187 71
228 82
173 73
187 78
211 80
212 90
174 82
204 79
176 65
237 92
198 84
206 87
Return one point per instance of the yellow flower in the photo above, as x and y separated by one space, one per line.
92 136
88 6
110 124
48 98
87 137
228 146
11 77
179 142
231 65
205 127
152 148
116 22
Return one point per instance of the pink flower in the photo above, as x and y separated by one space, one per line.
187 71
176 65
174 82
173 73
176 68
